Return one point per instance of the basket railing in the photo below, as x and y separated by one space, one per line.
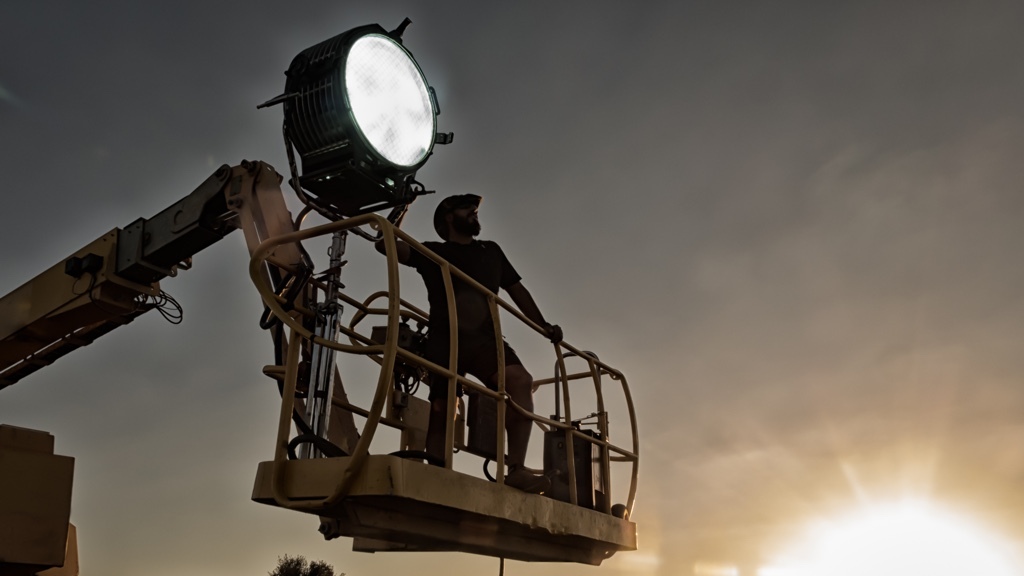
388 353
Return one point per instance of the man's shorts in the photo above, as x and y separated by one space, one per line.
478 357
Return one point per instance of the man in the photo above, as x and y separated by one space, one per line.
457 223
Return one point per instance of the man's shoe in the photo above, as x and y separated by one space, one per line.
522 479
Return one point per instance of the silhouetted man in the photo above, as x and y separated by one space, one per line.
457 223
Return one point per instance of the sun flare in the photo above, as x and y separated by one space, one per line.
906 539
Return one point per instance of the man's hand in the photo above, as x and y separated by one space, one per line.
553 332
521 296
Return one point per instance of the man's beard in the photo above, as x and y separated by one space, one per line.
463 225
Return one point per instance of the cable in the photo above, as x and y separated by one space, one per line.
487 473
164 303
326 447
169 308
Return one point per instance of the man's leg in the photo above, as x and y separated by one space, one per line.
436 428
436 350
519 385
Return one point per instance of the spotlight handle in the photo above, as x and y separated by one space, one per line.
397 32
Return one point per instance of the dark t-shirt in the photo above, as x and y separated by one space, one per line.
481 260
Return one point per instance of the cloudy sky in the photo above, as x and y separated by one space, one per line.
795 226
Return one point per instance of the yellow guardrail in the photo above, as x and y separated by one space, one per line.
389 352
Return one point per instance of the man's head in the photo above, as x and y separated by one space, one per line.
457 213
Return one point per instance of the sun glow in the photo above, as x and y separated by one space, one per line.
905 539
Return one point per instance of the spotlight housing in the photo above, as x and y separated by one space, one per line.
362 118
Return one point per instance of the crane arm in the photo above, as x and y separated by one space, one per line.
115 278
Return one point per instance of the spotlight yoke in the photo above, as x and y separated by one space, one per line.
360 114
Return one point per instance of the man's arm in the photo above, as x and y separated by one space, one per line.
403 250
524 301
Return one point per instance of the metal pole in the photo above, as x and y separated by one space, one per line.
321 378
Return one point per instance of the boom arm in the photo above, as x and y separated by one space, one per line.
108 283
115 278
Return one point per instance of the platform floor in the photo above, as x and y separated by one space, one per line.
398 504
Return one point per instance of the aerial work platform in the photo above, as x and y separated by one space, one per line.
389 503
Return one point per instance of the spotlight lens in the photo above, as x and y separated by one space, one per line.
389 99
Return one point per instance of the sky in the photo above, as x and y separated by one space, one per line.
794 226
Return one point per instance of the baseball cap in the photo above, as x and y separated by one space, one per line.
449 205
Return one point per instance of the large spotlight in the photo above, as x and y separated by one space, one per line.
360 114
